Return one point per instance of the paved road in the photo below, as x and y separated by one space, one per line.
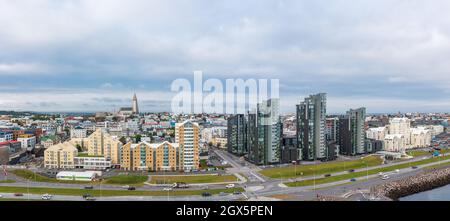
25 196
248 170
363 169
340 187
24 183
257 185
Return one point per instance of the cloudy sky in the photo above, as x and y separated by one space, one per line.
68 55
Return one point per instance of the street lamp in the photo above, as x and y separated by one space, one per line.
367 170
295 168
28 189
314 178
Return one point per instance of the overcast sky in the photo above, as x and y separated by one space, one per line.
67 55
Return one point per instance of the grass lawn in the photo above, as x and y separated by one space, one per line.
7 181
126 179
115 180
418 153
322 168
18 199
94 192
437 166
364 173
193 179
87 155
30 175
203 164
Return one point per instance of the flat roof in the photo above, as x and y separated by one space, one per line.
77 173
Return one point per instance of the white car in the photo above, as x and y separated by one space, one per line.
397 171
230 186
47 196
126 187
167 189
385 177
1 196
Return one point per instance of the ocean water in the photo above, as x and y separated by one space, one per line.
438 194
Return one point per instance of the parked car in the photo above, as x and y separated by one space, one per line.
385 177
222 194
1 196
414 167
206 194
353 180
126 187
131 188
327 175
88 187
351 171
18 194
236 193
90 199
167 189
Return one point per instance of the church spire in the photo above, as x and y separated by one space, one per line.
135 104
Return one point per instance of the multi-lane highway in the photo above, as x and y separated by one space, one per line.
257 185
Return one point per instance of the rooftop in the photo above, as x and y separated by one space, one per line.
87 155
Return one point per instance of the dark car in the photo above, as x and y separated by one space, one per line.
327 175
236 193
353 180
86 195
414 167
88 187
18 194
351 171
131 188
206 194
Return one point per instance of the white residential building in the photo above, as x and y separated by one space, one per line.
219 131
377 133
206 135
28 143
78 132
401 126
395 143
420 137
434 129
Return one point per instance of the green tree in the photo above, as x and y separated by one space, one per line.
137 138
79 148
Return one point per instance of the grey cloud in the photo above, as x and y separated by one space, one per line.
376 49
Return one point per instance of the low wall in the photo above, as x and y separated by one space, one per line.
422 182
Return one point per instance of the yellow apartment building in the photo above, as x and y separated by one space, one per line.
101 143
151 157
187 135
60 156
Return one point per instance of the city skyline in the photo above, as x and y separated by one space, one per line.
67 56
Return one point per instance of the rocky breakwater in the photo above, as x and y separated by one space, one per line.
415 184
